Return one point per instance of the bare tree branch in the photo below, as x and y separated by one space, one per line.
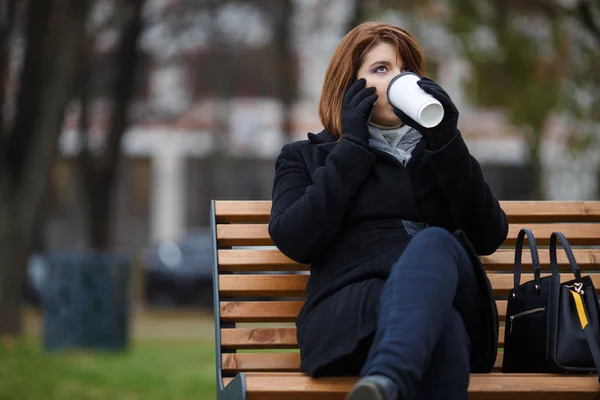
89 168
127 55
358 15
98 173
30 89
46 129
86 168
285 56
21 201
585 12
582 11
7 14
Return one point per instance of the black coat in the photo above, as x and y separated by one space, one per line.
341 206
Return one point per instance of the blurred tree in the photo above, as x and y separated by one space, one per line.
358 15
538 65
513 71
286 60
226 81
586 13
52 30
276 56
7 16
534 59
363 10
98 168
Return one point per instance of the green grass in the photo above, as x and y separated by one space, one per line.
149 370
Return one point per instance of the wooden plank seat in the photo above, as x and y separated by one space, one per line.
259 293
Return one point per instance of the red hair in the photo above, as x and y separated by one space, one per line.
346 61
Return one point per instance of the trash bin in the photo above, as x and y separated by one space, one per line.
85 302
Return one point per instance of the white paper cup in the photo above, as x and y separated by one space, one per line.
404 94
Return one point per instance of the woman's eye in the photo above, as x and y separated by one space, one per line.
381 69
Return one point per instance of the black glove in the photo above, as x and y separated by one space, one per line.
440 135
358 102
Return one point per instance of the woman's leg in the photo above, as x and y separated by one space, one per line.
416 306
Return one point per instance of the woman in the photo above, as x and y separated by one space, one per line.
392 218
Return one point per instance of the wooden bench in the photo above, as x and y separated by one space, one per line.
259 292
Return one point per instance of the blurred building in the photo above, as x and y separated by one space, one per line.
208 119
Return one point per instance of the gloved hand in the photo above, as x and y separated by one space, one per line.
440 135
357 105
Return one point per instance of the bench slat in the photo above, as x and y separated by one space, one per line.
259 362
234 363
501 304
258 235
503 259
260 311
274 338
243 235
242 211
577 234
298 386
257 260
262 285
517 211
259 338
282 311
551 211
295 285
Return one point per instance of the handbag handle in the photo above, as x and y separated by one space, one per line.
535 259
567 248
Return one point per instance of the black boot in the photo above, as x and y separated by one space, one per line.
374 387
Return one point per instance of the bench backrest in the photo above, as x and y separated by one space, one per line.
259 291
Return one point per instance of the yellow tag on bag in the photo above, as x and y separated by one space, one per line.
580 309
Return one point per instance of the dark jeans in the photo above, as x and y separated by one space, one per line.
421 342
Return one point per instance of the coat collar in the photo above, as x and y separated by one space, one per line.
324 141
321 137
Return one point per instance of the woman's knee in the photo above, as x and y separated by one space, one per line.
435 236
438 242
434 252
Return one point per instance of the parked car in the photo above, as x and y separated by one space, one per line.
180 272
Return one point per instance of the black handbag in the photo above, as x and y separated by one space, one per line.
551 327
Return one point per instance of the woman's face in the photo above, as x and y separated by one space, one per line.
379 65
